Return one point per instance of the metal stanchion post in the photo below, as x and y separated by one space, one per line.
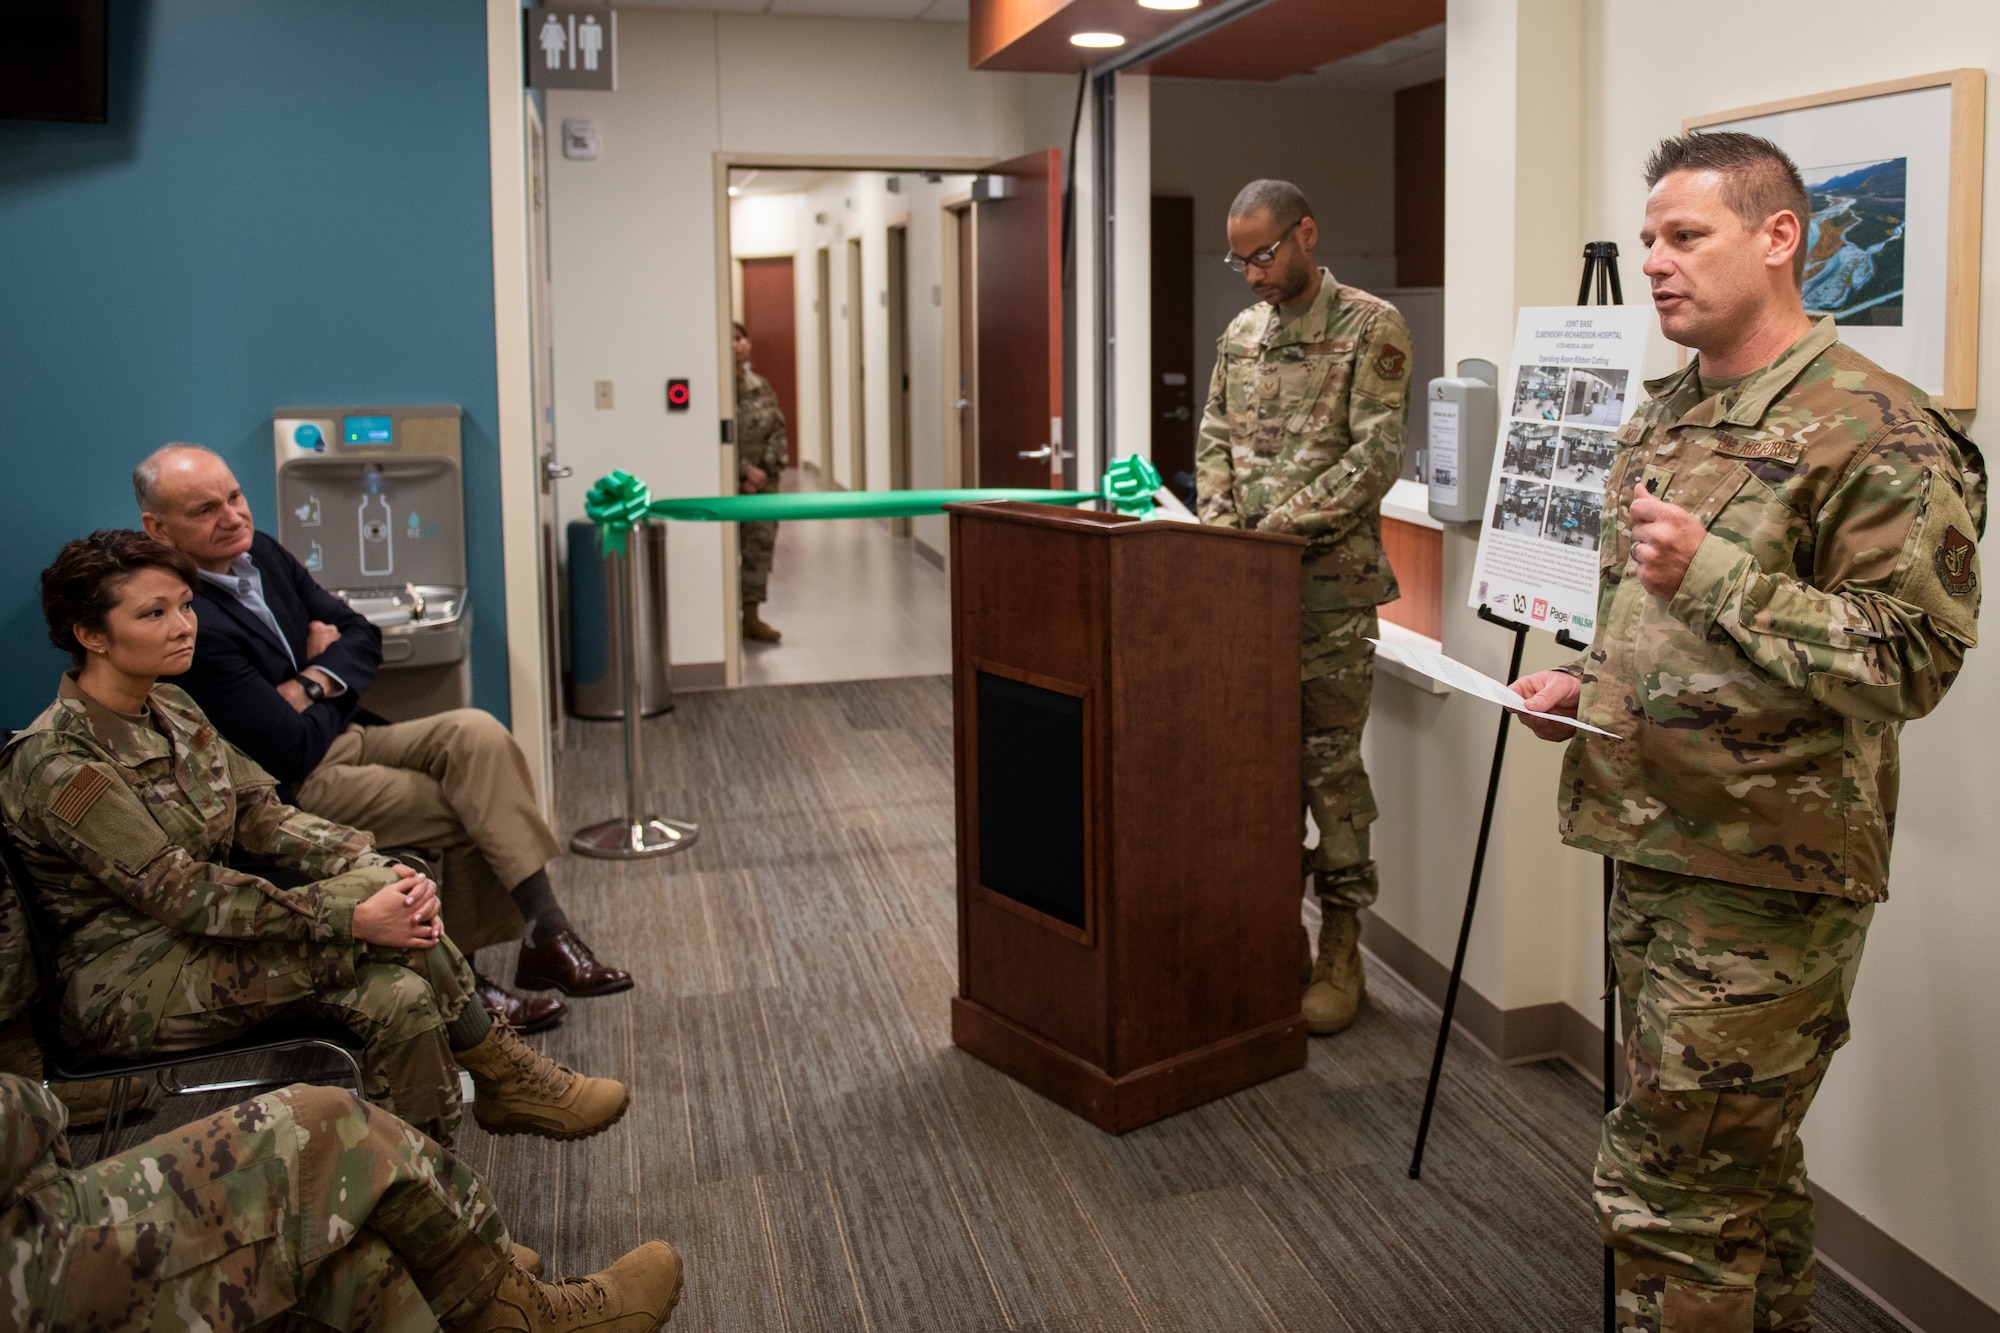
638 834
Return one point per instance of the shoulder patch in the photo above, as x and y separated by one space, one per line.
1778 450
75 797
1954 562
1390 361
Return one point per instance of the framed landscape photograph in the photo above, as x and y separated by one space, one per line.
1894 173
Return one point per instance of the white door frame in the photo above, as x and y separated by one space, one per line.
520 527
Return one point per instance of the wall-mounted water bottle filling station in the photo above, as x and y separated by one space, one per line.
371 500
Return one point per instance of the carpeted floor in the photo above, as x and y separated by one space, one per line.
805 1133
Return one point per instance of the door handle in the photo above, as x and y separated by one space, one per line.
556 471
962 404
1042 452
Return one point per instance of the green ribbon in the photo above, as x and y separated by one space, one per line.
1129 484
616 504
620 500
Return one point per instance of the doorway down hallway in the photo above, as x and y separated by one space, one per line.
853 602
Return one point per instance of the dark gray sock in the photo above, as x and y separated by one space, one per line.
470 1027
537 901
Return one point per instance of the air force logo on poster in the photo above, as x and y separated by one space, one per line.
1574 380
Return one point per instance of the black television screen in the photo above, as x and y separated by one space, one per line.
52 58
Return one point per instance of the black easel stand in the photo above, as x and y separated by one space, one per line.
1600 269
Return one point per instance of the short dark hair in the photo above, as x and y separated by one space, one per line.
1284 201
90 573
1758 178
741 332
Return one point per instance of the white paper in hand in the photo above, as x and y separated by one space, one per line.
1463 678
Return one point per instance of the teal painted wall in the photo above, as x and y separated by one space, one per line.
290 206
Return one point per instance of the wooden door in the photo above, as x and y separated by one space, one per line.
857 372
1177 400
899 368
823 318
770 305
1019 314
965 405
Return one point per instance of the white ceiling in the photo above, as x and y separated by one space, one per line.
1403 63
949 11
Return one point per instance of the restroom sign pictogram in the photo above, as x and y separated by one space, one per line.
572 46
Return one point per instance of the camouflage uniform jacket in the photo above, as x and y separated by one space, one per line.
760 428
1303 434
1756 713
125 830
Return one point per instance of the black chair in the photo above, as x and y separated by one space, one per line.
62 1062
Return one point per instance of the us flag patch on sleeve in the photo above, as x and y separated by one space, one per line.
74 799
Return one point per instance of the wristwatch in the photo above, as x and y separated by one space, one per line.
314 690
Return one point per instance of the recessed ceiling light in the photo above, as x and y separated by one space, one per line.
735 190
1169 4
1096 39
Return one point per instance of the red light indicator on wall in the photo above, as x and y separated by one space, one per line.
678 396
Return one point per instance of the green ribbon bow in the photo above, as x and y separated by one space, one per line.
616 504
1129 484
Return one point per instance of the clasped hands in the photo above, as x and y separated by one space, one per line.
1664 540
402 915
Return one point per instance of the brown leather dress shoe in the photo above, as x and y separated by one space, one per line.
524 1013
565 963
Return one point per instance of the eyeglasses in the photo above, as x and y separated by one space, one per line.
1261 258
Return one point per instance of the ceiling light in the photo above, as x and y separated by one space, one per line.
735 190
1096 39
1169 4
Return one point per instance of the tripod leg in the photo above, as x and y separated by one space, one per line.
1610 1084
1465 926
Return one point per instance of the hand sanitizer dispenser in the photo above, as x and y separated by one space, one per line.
1458 456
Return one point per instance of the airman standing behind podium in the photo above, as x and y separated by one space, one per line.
1303 435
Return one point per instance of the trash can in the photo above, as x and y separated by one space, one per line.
596 676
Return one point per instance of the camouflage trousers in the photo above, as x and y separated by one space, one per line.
305 1207
757 544
1733 1001
398 1003
1334 708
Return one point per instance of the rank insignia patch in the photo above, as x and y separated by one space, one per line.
73 802
1954 562
1389 362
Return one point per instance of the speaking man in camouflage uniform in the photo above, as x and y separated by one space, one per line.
305 1207
761 454
1303 434
1788 573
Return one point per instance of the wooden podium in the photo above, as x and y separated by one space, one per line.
1127 718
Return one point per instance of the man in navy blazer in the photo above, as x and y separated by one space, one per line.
280 666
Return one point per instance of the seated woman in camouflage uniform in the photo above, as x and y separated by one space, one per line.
126 805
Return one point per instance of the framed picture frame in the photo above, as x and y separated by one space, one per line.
1895 173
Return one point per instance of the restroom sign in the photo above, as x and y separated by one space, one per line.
572 46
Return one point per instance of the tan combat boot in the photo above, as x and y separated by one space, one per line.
530 1262
634 1295
754 628
521 1091
1334 996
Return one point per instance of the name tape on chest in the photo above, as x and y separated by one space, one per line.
75 797
1780 450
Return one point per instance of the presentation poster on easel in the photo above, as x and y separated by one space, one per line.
1573 382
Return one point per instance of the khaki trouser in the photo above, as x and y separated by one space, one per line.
1733 1001
304 1206
456 781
